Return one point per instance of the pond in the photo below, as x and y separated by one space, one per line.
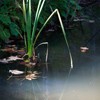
56 80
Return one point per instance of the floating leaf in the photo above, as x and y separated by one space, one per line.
4 60
16 72
84 49
14 58
31 76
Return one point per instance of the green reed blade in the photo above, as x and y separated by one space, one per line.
63 30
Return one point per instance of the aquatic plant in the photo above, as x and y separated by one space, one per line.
30 36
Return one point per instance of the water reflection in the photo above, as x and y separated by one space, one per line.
57 81
80 83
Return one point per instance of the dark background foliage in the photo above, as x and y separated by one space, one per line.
11 18
8 19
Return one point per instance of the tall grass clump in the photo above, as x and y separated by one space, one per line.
30 36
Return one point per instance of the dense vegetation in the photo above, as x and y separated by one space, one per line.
11 19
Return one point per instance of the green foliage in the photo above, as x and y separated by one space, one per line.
4 34
5 19
66 8
14 29
8 25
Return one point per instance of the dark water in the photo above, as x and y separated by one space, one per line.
57 81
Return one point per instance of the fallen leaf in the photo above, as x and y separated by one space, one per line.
8 50
16 72
4 60
84 49
30 77
14 58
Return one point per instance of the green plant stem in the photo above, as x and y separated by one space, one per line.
63 30
38 12
30 32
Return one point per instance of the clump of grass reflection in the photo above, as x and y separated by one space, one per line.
39 88
45 92
63 90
